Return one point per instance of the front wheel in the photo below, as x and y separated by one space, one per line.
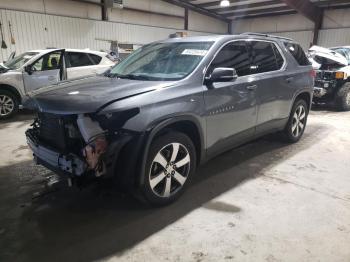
8 104
170 165
342 98
297 121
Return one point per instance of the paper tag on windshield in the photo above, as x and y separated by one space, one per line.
197 52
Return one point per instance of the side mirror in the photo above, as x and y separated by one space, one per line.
28 69
222 74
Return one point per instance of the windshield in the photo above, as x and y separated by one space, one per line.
162 61
343 51
20 60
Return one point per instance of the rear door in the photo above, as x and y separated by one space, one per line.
230 106
273 90
47 70
80 64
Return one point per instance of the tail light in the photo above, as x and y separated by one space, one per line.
313 73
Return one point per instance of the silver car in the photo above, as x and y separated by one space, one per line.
38 68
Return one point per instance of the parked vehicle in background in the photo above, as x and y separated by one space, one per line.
38 68
169 106
332 84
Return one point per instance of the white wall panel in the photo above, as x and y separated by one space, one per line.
282 23
334 37
199 22
35 31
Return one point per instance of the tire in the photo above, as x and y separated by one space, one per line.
164 182
8 104
342 98
295 127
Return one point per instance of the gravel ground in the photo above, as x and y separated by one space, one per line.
265 201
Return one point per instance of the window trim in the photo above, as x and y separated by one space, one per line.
283 67
292 42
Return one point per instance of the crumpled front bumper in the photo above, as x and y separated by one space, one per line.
71 164
64 164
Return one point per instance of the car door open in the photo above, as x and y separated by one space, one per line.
47 70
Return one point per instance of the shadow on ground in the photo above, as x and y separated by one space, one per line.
97 222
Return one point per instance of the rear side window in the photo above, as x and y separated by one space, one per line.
298 53
278 56
264 58
76 59
233 55
95 58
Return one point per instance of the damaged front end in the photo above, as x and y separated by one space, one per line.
81 145
331 71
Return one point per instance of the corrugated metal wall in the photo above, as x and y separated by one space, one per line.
35 31
334 37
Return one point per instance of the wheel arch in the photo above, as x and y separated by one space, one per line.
305 95
186 124
11 89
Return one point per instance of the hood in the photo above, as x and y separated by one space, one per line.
89 94
326 57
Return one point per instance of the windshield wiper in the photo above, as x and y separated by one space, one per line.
128 76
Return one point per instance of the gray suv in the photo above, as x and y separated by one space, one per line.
170 106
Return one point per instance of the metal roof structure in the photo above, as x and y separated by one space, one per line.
241 9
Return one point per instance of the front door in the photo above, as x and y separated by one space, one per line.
47 70
231 108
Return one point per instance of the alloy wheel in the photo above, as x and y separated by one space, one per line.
7 105
299 119
169 170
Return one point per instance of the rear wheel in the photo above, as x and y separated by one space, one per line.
170 165
342 98
8 104
297 121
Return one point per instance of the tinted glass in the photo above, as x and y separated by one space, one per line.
78 59
263 57
298 53
95 58
233 55
278 56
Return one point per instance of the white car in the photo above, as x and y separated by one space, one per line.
38 68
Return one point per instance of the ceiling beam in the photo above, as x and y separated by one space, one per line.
306 8
259 11
203 11
264 15
216 3
310 11
246 6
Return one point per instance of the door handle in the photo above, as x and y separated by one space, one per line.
252 87
51 78
289 79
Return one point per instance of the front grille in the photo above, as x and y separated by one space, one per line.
325 75
52 131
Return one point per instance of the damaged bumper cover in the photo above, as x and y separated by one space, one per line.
70 164
63 164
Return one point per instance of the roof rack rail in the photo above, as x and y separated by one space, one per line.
267 35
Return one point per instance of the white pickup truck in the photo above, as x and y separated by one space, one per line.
332 83
38 68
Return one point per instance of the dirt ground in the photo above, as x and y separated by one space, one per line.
265 201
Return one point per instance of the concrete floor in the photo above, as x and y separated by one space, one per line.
266 201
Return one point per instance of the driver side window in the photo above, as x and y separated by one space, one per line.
48 62
233 55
